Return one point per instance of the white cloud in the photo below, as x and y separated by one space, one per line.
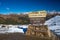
8 8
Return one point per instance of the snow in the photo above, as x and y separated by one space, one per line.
23 26
52 27
13 29
58 33
54 24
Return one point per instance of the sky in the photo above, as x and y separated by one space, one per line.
17 6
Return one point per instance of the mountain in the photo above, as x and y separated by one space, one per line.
14 19
20 18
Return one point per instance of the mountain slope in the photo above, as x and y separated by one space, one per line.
54 24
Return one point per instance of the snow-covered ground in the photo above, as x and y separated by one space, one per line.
54 24
13 28
23 26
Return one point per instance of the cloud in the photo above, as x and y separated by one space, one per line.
8 8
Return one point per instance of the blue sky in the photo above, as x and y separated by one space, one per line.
16 6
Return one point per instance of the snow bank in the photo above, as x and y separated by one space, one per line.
23 26
54 24
12 30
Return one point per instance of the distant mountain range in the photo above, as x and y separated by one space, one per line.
20 18
14 19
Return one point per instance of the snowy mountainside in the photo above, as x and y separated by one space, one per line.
54 24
